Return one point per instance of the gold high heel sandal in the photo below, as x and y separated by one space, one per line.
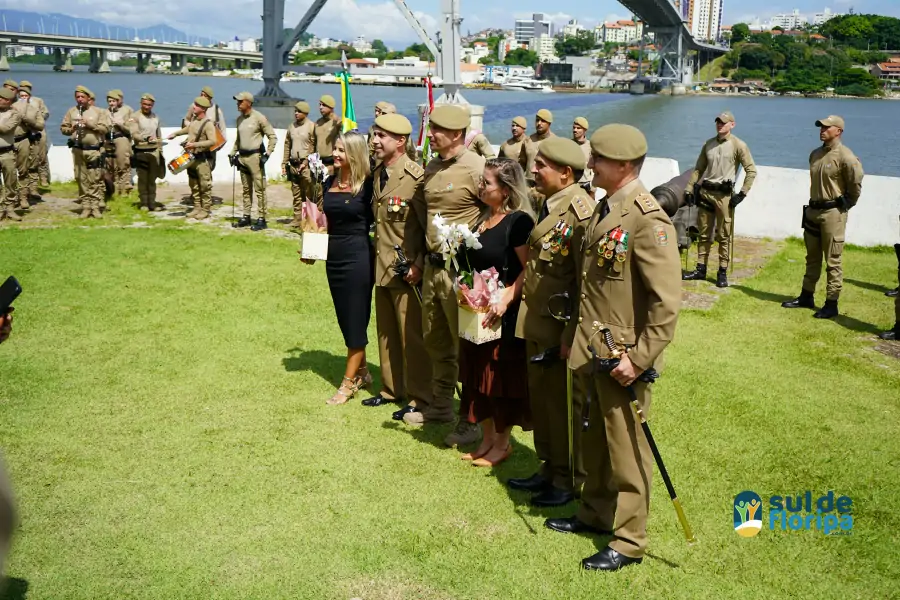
363 378
341 396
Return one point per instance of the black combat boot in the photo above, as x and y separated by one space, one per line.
804 300
722 277
242 222
259 225
892 335
828 311
894 292
698 274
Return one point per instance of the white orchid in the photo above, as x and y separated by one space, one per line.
451 237
317 167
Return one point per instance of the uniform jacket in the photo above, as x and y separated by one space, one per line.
32 117
251 128
451 190
325 133
299 141
143 128
396 220
719 159
523 151
96 125
835 171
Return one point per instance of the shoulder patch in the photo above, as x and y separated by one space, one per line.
647 203
583 205
414 169
660 235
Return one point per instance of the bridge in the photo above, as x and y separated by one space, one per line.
99 48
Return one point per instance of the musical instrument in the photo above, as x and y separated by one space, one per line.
181 162
220 140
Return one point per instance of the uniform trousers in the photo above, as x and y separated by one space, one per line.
121 165
253 177
405 368
823 233
440 328
147 165
301 188
23 166
200 178
43 161
89 175
720 217
10 174
619 464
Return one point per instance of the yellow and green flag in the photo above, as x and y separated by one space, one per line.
348 114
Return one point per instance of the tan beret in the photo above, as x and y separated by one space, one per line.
545 115
394 123
618 142
581 122
243 96
84 90
25 84
202 102
563 152
7 93
327 100
831 120
11 83
148 96
450 116
207 90
386 107
302 106
725 117
520 121
115 94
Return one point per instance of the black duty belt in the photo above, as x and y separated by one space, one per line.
823 204
22 138
726 186
35 135
6 149
437 260
154 149
116 136
85 147
248 152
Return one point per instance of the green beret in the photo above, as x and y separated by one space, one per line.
115 94
618 142
563 152
202 102
545 115
302 106
327 100
394 123
11 83
521 122
581 122
450 116
148 97
25 84
7 93
206 90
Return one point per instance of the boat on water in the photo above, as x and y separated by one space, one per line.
527 85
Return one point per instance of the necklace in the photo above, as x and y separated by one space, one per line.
491 221
342 186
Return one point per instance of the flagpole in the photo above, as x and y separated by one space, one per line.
424 142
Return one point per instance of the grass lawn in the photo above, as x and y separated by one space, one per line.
162 416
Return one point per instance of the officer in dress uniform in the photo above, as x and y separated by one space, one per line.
550 272
381 108
835 186
450 190
28 135
201 136
42 144
520 148
9 122
631 285
405 368
148 162
250 156
87 126
716 174
298 145
579 134
118 142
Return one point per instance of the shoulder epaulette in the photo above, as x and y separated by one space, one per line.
414 169
647 203
583 205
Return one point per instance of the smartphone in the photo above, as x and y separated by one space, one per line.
9 291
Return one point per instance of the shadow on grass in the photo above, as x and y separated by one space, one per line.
13 588
764 296
329 367
868 286
845 321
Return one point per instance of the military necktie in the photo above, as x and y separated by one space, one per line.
604 208
383 178
545 211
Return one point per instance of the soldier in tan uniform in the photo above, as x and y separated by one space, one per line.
835 186
579 134
327 129
9 122
201 137
550 272
381 108
25 87
451 189
716 173
28 135
478 143
520 148
298 145
215 112
249 156
542 122
118 143
146 134
405 368
631 285
87 126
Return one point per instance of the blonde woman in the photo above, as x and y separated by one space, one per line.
347 203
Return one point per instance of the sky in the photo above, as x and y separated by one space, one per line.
380 19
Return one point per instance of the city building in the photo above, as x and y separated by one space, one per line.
888 72
572 70
474 53
361 45
571 29
506 46
612 33
526 29
545 47
248 45
631 29
793 20
825 15
704 18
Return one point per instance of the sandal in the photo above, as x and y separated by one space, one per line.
341 396
363 378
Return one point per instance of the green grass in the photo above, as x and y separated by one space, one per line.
711 70
163 419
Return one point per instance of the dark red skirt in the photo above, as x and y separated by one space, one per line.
495 383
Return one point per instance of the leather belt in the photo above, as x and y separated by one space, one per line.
83 147
154 149
116 136
823 204
437 260
21 138
726 186
248 152
6 149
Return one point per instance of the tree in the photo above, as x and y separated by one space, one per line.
420 50
740 32
378 46
521 56
488 60
577 45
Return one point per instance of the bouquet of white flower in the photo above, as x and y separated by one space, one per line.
451 237
317 167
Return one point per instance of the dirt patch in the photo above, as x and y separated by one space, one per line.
749 256
891 349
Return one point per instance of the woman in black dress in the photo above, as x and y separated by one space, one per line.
347 203
492 373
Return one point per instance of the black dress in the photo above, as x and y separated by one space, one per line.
350 265
493 384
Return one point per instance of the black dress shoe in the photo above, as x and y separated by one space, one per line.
804 300
397 415
536 483
828 311
552 496
892 293
608 560
698 274
573 525
891 335
259 225
242 222
378 400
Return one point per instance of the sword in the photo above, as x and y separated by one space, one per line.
648 376
564 316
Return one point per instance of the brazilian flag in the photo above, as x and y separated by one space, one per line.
348 114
